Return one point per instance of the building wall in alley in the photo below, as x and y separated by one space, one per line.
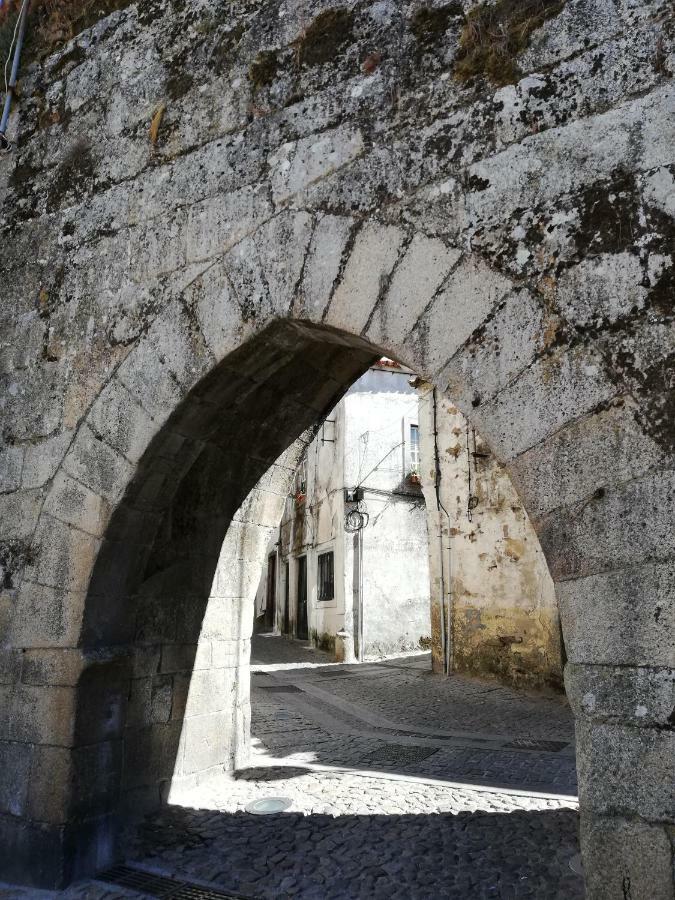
380 571
499 597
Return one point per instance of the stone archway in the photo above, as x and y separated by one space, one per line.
170 301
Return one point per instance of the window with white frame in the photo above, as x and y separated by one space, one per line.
414 448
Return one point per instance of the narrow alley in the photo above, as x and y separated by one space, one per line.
396 783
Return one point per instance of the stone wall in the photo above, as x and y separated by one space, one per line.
488 573
215 217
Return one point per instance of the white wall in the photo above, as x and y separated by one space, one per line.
365 439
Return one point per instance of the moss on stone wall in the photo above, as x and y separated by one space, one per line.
494 35
323 38
53 23
262 70
429 23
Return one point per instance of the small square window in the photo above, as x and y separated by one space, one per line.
326 578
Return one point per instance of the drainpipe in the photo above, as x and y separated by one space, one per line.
20 33
446 584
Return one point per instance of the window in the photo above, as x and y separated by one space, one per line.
326 580
414 449
300 481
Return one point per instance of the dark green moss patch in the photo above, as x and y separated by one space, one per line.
494 35
429 24
263 69
320 42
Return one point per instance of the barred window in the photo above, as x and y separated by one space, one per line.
326 576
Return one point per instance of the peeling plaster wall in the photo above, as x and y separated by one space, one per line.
364 439
503 610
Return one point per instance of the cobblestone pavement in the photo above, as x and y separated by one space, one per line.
391 774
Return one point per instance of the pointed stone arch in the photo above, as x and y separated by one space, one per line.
254 260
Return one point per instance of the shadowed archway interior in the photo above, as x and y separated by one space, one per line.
213 470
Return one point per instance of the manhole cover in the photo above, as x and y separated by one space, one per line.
532 744
333 673
267 806
281 689
159 886
398 755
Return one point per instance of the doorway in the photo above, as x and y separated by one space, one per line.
302 630
270 607
287 610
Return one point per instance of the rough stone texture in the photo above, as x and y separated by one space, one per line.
171 323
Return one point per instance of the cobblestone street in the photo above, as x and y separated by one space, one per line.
402 784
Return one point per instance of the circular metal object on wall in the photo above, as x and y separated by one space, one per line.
267 806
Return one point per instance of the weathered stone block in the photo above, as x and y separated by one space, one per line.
52 667
97 465
365 273
210 691
217 224
73 503
205 743
549 394
625 695
572 464
417 278
466 300
584 540
46 616
623 771
625 858
122 421
43 714
15 767
620 617
296 165
64 556
322 265
11 466
19 514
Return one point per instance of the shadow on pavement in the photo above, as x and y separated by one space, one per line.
459 856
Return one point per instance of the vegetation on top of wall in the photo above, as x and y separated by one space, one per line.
53 23
494 35
321 40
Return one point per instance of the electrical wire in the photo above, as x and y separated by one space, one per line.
15 48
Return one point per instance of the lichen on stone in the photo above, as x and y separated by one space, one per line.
494 35
322 39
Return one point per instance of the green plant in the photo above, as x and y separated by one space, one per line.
494 34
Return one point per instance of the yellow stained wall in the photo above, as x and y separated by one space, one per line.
504 618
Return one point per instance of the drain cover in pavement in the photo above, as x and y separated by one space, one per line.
333 673
281 689
532 744
398 755
159 886
267 806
